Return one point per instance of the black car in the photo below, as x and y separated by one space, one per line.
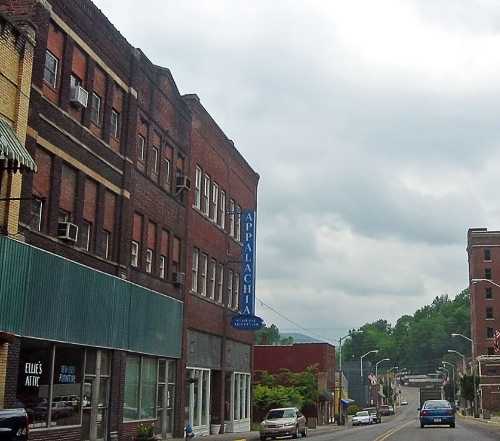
13 425
374 412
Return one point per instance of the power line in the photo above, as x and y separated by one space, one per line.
309 333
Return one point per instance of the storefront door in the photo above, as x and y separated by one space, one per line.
96 395
199 400
166 397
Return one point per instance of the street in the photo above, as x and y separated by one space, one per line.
404 426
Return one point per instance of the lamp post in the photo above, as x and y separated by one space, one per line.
454 383
474 281
377 363
374 351
340 376
452 351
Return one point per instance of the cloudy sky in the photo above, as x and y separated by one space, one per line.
375 127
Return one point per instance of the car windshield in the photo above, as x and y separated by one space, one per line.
280 413
362 413
441 404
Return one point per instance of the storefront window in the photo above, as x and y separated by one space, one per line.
33 386
148 388
199 396
241 396
131 404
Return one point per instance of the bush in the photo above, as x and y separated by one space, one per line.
353 409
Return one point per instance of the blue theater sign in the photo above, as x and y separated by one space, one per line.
246 320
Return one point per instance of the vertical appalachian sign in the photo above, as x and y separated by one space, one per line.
247 320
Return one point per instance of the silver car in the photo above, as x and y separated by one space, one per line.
286 421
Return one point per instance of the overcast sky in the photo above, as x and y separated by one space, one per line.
375 128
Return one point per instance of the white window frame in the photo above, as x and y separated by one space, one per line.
167 172
194 269
53 84
222 219
134 254
197 187
213 277
215 201
107 243
155 160
115 124
232 205
203 274
203 402
163 260
230 289
38 213
220 284
96 98
141 147
206 194
237 227
240 396
88 227
236 291
149 260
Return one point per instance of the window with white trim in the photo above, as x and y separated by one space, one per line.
50 70
141 148
36 214
162 267
107 244
206 195
86 235
194 270
203 274
197 188
154 159
134 254
222 206
213 273
238 223
115 124
149 260
95 109
236 291
214 206
231 217
241 394
230 289
220 285
198 397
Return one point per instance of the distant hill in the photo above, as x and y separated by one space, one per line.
300 338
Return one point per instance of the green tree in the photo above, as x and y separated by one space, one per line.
270 335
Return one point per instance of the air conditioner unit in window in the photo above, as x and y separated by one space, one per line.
79 96
182 183
67 231
178 278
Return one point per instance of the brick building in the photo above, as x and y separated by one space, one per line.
483 248
219 358
297 358
95 328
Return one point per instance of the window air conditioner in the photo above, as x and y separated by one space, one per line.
178 278
79 96
67 231
182 183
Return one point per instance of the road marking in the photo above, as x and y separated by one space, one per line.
392 431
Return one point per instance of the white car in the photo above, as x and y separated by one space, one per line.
362 417
404 403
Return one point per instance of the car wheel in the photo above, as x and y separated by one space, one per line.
304 432
452 425
421 425
296 434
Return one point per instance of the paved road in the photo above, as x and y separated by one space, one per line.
405 427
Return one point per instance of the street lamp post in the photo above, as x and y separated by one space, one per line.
454 383
377 363
340 377
374 351
472 353
452 351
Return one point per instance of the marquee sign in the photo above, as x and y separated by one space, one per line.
247 320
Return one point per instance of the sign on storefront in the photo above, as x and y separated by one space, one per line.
246 320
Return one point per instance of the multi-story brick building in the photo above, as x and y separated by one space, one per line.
218 358
483 248
297 358
93 301
16 60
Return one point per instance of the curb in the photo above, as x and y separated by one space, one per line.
479 420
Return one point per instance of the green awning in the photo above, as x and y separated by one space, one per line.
12 151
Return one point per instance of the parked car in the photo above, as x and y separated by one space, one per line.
13 425
391 410
384 410
404 403
362 417
286 421
375 413
437 412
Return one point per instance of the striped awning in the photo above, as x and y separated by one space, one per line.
12 151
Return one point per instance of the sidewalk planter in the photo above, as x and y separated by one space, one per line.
215 429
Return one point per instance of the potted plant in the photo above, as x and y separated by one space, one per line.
145 432
215 425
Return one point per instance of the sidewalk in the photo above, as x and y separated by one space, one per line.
493 420
254 436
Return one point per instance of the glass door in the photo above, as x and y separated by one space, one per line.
95 399
166 397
